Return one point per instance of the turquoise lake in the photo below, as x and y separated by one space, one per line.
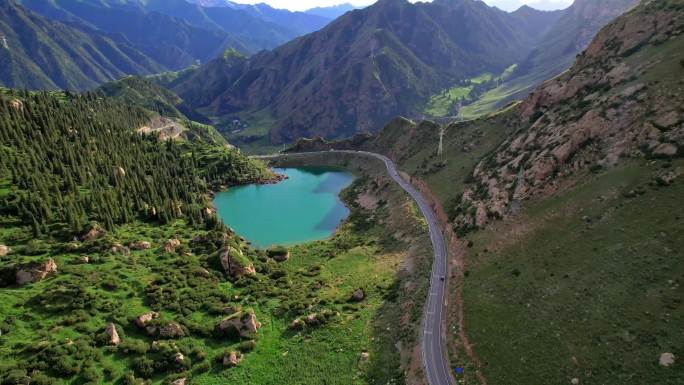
305 207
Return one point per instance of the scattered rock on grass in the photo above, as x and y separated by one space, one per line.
358 295
17 104
142 320
666 359
172 330
180 381
179 358
113 335
119 172
235 263
244 324
297 324
34 272
140 245
232 359
666 179
118 248
171 245
313 320
93 233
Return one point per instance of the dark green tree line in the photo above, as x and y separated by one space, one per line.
78 158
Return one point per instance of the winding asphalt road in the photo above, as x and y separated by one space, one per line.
437 369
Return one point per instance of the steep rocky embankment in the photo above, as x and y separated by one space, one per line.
622 98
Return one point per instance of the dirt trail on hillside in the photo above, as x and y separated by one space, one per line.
457 268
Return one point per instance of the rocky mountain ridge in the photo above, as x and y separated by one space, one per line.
365 67
39 53
620 99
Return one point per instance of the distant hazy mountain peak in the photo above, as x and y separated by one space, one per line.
332 12
540 5
213 3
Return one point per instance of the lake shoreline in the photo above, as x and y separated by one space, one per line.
304 205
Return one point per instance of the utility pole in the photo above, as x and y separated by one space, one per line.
440 150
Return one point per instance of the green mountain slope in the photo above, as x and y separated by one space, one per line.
134 37
177 119
158 26
44 54
173 43
144 92
41 130
362 69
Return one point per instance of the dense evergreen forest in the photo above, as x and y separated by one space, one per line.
77 182
77 158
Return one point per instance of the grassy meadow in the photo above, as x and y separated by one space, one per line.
585 285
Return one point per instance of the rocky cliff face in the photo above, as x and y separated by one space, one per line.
622 98
35 272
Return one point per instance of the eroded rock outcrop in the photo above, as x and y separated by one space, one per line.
17 104
171 245
34 272
666 359
235 263
164 128
112 335
94 232
232 359
144 319
243 324
601 110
